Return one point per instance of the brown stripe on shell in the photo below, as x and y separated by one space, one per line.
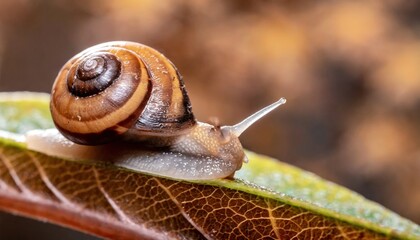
107 135
120 91
168 111
116 104
155 114
185 101
125 110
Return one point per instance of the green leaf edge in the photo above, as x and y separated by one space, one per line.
408 229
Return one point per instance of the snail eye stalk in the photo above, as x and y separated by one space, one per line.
239 128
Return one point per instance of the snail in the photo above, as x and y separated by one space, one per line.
125 103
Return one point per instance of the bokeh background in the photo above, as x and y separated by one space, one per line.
350 71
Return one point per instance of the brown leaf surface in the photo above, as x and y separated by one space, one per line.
118 204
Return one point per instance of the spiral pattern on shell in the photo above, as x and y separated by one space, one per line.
114 87
94 74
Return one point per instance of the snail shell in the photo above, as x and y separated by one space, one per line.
132 100
114 87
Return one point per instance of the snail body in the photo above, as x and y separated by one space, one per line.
125 103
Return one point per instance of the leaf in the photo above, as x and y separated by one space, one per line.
23 111
267 198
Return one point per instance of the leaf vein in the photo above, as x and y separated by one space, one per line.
181 209
120 213
272 219
13 174
48 183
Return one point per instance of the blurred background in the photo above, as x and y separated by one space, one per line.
350 71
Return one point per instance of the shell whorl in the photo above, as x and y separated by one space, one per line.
114 87
94 74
